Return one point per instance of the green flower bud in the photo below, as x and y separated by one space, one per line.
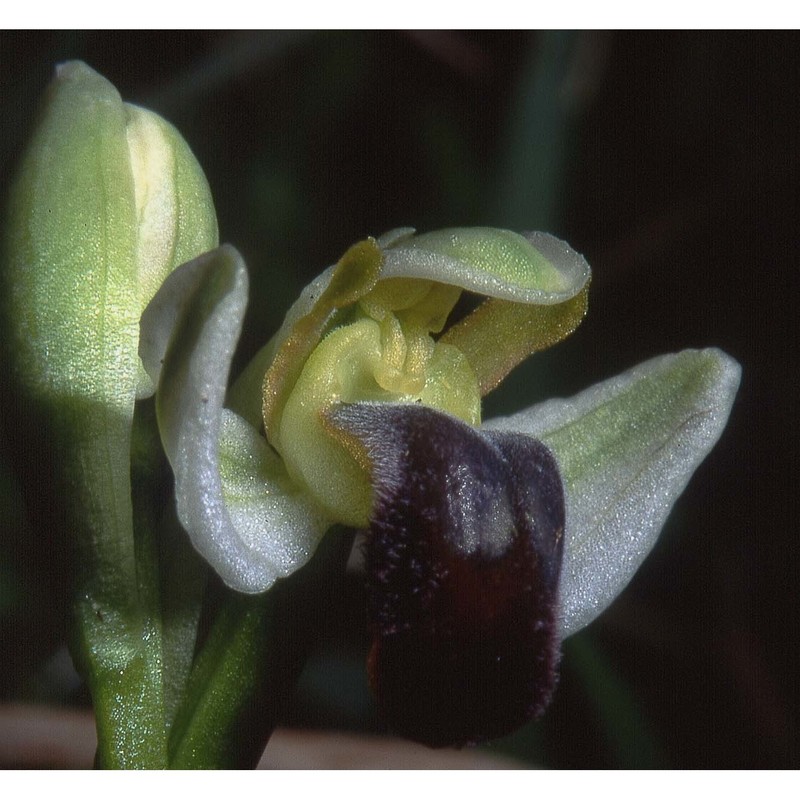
108 200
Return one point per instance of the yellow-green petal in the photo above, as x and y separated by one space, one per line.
499 334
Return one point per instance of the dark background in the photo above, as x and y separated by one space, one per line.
671 161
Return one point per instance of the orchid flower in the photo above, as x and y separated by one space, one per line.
364 410
488 542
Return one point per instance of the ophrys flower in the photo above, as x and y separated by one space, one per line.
371 418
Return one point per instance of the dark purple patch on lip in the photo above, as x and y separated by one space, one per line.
463 559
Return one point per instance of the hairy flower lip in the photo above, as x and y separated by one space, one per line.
463 559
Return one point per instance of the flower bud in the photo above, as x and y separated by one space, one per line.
108 200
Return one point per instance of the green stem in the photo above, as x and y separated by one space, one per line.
244 676
183 582
120 643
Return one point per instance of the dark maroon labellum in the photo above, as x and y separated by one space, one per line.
463 558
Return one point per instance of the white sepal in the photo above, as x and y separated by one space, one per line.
240 510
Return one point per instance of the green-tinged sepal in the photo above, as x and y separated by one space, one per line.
626 448
531 268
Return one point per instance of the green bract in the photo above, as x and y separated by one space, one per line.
107 202
369 330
